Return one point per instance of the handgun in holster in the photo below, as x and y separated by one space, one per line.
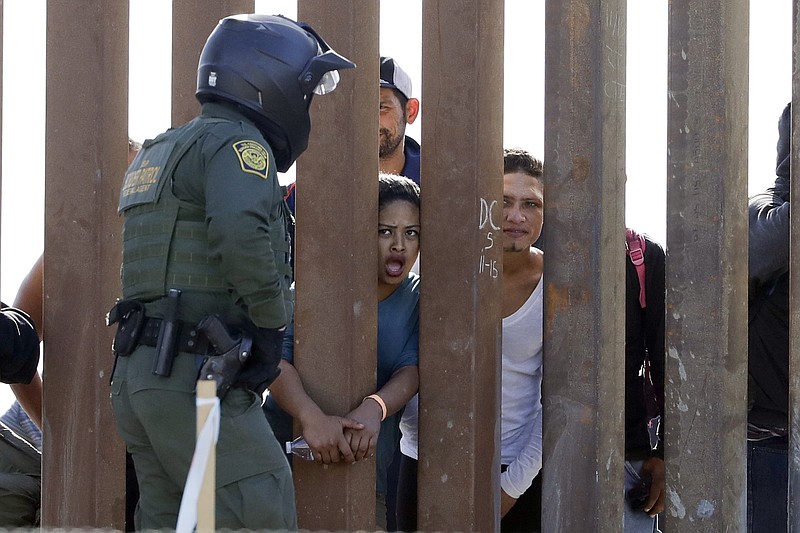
231 354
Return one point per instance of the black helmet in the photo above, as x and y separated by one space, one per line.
271 67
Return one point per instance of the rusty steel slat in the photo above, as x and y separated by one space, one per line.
83 470
337 218
584 268
794 290
192 22
706 316
461 295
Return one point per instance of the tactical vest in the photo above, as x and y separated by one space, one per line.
165 240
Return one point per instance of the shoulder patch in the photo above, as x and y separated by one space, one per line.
252 157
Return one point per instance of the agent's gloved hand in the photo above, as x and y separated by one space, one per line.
262 368
19 346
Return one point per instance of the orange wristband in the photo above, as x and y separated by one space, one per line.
380 402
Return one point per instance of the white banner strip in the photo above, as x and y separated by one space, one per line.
187 516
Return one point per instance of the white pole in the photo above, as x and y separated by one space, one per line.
197 503
206 390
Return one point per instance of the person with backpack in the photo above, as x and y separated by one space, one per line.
768 346
645 494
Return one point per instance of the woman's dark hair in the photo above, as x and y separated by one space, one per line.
392 188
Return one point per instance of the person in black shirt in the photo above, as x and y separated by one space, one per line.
644 389
768 346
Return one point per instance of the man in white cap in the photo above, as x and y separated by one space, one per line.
399 154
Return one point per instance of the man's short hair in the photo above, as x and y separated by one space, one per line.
519 160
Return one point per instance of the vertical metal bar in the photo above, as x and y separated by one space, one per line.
706 320
337 217
584 270
794 289
460 308
83 470
192 22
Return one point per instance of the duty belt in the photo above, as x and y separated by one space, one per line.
189 338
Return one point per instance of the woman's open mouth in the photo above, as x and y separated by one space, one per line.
395 266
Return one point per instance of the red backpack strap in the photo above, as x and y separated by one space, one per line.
289 190
634 245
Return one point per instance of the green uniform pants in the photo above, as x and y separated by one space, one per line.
156 418
20 481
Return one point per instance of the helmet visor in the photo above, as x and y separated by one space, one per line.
328 82
320 75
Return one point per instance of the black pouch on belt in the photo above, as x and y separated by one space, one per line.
130 316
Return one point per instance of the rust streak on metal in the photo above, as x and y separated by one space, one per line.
336 307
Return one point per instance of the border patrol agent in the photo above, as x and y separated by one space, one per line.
205 238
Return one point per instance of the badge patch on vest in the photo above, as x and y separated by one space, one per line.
253 157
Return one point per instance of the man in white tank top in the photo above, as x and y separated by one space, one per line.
521 426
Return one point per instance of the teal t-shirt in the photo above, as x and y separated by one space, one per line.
398 346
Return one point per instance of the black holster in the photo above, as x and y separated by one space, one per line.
129 314
232 352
